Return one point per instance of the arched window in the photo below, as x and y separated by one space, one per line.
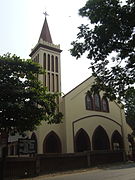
53 83
44 60
57 83
82 141
56 64
48 62
105 105
34 137
88 102
100 140
52 143
97 104
117 141
49 84
52 64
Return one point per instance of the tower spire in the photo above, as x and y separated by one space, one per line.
47 55
45 32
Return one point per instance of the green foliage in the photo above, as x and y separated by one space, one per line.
130 108
24 102
109 41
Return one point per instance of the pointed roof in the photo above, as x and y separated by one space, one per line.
45 33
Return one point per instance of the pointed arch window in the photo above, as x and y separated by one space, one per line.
97 103
48 62
100 139
82 141
57 83
49 84
56 64
105 105
34 137
52 143
117 141
53 83
44 60
88 102
52 64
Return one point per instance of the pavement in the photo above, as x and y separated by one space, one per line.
45 176
112 166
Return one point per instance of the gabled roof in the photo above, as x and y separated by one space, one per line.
78 86
45 33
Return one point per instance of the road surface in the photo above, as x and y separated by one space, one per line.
117 172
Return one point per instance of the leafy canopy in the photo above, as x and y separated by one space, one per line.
109 41
24 102
130 108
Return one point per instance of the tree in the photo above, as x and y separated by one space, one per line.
24 102
130 108
109 41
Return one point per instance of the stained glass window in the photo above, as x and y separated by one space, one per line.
97 105
88 102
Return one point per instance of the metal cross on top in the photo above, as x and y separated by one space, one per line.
45 13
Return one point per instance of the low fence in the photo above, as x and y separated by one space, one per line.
18 167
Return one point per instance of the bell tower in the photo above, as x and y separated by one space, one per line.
47 55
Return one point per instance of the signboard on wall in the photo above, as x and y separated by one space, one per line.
26 146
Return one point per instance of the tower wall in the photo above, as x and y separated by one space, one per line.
48 56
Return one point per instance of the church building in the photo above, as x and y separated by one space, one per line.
91 122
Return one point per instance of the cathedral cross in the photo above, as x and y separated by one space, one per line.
45 13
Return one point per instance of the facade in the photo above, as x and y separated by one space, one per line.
90 122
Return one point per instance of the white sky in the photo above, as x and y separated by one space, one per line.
21 23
